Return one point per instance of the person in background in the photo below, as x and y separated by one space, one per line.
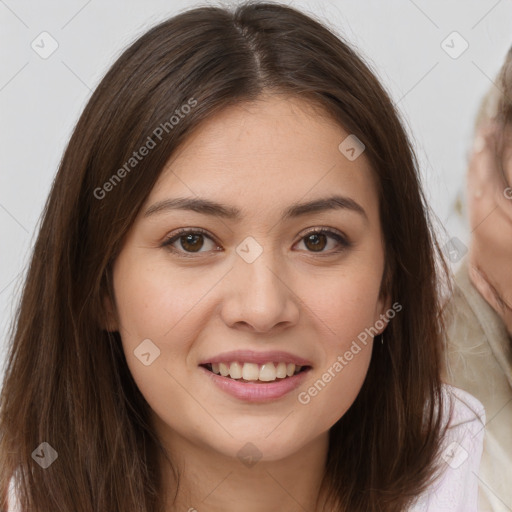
479 333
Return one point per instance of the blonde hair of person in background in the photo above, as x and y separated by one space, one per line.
479 348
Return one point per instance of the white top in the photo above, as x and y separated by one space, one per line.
457 488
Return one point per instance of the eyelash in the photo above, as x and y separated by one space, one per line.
341 239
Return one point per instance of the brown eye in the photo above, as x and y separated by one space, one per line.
190 241
318 240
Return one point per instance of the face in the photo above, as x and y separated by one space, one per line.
490 206
253 288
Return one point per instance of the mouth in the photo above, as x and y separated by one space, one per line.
256 373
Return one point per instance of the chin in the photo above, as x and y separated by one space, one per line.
253 445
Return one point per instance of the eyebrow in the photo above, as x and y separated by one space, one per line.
208 207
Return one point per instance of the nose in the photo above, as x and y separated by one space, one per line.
259 296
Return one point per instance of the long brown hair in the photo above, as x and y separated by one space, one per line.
67 381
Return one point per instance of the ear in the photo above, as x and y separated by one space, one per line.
384 302
384 305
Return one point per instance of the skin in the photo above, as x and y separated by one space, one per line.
490 207
261 158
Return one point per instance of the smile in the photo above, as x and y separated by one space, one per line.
256 390
252 372
254 376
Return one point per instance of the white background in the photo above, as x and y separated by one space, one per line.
41 99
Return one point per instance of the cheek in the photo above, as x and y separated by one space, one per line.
348 309
150 300
158 306
166 307
347 300
352 306
328 395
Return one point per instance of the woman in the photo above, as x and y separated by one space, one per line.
237 216
479 357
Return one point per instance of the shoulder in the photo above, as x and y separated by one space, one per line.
456 490
464 436
465 407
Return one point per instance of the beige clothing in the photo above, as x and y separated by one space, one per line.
479 360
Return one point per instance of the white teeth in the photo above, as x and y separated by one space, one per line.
267 372
235 370
250 371
224 369
281 371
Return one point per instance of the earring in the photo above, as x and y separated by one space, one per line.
382 338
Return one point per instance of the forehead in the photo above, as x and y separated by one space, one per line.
276 147
270 125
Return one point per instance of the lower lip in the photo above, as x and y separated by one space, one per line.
260 392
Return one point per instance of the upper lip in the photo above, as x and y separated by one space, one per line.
250 356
